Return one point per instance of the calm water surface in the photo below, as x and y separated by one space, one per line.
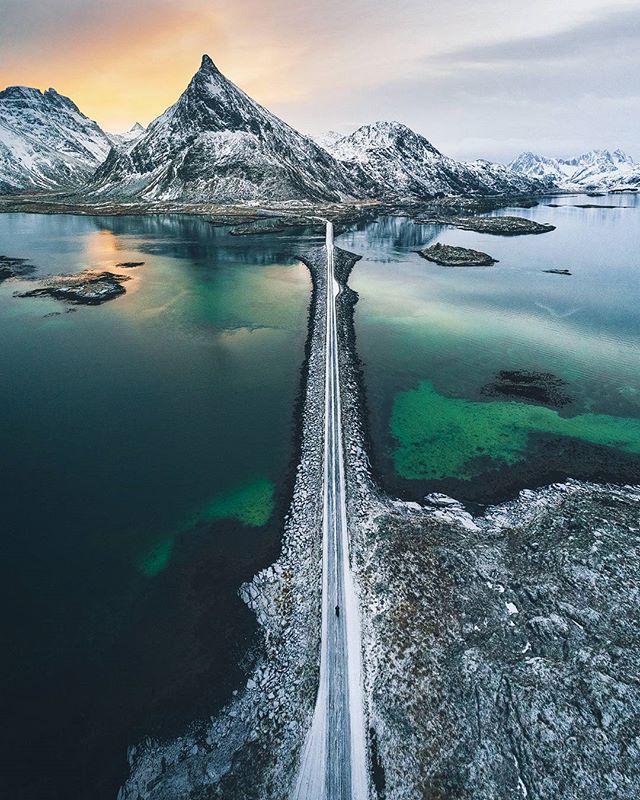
146 443
433 338
145 449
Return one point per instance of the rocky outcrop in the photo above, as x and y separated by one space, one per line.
88 288
498 226
449 256
540 388
502 651
14 268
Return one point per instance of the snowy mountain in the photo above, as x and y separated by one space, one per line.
597 169
328 139
217 144
45 141
126 138
403 163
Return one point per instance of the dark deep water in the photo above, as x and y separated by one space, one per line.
434 341
146 446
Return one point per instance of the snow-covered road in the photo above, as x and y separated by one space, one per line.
333 765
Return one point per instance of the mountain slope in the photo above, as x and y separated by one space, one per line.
597 169
45 141
400 162
217 144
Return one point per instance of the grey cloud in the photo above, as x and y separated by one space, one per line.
616 34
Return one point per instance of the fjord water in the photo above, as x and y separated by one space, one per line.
433 340
146 445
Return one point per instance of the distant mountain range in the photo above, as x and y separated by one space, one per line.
593 171
217 144
126 138
396 160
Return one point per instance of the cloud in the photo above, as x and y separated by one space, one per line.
560 92
616 34
462 73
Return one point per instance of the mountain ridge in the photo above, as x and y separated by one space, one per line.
218 144
594 170
46 142
405 163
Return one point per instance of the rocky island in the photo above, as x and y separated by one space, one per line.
449 256
87 288
498 226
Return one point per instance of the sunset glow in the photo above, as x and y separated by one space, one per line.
438 67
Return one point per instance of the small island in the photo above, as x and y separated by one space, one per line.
449 256
498 226
88 288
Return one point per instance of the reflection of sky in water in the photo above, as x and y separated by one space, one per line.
188 382
600 248
124 425
458 327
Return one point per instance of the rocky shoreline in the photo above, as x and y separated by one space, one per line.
264 217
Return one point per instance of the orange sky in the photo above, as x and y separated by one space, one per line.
487 78
125 64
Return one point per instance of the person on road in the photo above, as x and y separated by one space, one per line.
337 611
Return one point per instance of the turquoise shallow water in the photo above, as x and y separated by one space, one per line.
145 447
432 338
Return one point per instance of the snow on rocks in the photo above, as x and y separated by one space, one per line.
401 162
46 142
597 169
217 144
516 637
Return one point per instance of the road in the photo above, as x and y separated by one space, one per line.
333 764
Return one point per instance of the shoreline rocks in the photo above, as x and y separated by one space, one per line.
450 256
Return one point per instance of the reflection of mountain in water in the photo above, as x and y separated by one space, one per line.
201 243
392 235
